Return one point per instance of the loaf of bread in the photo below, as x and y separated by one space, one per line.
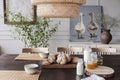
52 58
45 62
59 58
63 59
75 59
68 56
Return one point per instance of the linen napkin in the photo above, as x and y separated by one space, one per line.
94 77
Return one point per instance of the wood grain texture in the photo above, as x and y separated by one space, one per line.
7 62
71 50
70 73
17 75
24 56
104 51
69 65
103 71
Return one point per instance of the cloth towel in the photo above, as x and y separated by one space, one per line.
94 77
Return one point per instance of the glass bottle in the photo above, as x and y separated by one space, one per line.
80 27
80 67
87 53
92 27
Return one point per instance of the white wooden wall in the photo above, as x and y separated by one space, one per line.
10 46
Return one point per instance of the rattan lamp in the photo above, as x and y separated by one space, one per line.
58 8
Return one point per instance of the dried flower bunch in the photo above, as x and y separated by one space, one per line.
108 22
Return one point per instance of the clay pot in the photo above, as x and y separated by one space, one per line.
105 37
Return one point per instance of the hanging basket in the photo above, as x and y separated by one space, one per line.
58 8
37 2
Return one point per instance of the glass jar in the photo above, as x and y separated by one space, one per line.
100 60
87 54
90 64
94 59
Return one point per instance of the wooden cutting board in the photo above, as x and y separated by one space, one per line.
103 71
25 56
69 65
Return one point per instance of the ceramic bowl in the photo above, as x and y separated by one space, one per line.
43 55
31 68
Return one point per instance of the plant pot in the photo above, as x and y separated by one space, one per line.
105 37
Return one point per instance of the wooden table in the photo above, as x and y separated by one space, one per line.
112 61
11 69
7 62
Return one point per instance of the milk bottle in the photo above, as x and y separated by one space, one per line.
80 68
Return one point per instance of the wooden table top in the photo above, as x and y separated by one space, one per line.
112 61
11 69
8 62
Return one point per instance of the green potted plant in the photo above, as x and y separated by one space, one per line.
107 23
33 35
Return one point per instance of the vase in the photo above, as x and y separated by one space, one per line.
106 37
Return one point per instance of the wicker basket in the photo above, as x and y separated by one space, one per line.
37 2
58 10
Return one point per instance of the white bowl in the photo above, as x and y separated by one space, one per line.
43 55
31 68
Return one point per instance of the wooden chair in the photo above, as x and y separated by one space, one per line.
104 51
71 50
35 50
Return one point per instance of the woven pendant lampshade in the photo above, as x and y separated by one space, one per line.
58 8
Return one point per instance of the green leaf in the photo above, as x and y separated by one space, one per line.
35 35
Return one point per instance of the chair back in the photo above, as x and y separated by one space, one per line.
35 50
104 51
71 50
